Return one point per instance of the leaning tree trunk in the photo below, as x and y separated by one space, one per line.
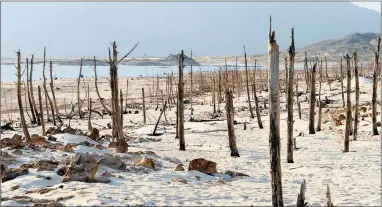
258 115
182 145
34 120
52 88
41 111
348 104
274 119
19 100
312 100
32 96
230 123
356 95
375 84
96 87
307 76
290 76
46 90
247 84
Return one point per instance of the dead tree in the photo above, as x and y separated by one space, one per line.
34 119
47 108
182 145
375 84
96 87
274 118
192 109
214 94
143 106
32 96
327 76
342 85
41 112
230 123
307 76
298 99
301 197
46 90
348 104
247 84
319 102
52 88
78 91
89 110
25 101
127 92
160 116
292 53
312 99
356 73
328 197
258 115
117 130
19 100
121 106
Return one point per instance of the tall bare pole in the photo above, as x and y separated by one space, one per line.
52 88
312 100
290 76
319 101
348 104
143 106
274 119
19 100
41 112
230 124
355 133
246 80
342 85
192 109
375 84
182 145
32 95
34 120
78 91
258 115
46 90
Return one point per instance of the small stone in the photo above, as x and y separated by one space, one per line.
179 167
180 180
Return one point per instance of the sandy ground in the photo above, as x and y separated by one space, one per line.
354 177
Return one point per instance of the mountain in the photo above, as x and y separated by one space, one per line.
79 29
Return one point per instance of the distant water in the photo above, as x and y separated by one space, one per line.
8 72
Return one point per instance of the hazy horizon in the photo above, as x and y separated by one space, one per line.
75 29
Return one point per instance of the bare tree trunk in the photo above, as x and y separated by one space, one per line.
90 110
160 116
375 84
327 76
319 102
96 87
298 99
355 134
52 88
219 91
246 80
19 100
348 104
41 112
312 99
290 121
163 103
32 96
342 85
46 91
26 102
34 120
213 94
230 124
274 118
47 107
78 92
182 145
192 109
143 106
121 106
157 93
258 115
307 76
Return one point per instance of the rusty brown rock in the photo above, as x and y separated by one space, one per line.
202 165
145 162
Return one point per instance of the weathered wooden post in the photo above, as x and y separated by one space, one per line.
348 104
258 115
356 95
375 84
41 112
312 99
143 106
274 119
182 144
247 84
292 53
19 100
230 123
